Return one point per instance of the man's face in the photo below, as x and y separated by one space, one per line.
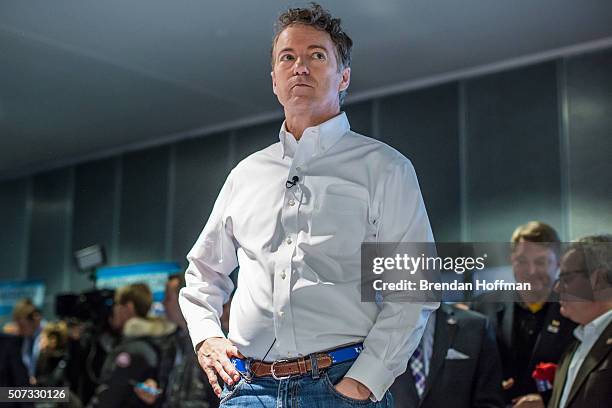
574 288
305 74
27 327
535 264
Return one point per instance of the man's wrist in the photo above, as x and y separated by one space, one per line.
200 344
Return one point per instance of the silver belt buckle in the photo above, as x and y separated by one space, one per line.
274 374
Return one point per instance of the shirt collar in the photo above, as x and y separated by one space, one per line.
592 330
322 136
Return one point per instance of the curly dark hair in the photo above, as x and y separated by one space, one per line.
321 19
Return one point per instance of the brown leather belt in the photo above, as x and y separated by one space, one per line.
281 369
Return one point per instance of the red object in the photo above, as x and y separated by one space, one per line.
545 372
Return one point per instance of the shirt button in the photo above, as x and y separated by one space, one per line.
283 275
291 202
289 241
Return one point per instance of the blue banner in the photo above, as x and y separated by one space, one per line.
153 274
13 291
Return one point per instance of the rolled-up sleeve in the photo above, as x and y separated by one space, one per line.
399 325
211 260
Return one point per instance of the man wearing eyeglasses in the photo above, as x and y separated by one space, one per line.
530 328
584 375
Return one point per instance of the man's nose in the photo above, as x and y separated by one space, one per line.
532 269
300 67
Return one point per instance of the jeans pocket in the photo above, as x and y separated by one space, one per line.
348 400
230 391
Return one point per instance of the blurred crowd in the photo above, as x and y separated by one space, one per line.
119 357
548 346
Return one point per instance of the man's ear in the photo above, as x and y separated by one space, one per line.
346 79
273 82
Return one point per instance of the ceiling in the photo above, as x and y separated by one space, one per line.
83 79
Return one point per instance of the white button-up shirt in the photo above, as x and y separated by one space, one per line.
299 252
588 336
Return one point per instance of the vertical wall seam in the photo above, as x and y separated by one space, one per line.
231 156
376 119
29 204
170 202
564 148
466 233
68 265
116 230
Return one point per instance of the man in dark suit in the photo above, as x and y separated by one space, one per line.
584 375
13 372
529 325
459 364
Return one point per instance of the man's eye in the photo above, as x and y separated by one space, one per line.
319 55
286 57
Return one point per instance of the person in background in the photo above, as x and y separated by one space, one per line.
13 372
455 365
145 345
52 369
28 319
187 385
529 326
584 374
53 354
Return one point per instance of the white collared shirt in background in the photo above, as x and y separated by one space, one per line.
588 335
299 252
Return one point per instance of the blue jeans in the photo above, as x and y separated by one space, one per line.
297 391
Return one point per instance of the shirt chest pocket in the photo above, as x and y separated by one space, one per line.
339 223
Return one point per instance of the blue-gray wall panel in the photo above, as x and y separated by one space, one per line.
200 171
589 97
253 139
49 240
360 117
423 125
94 207
144 193
513 156
13 245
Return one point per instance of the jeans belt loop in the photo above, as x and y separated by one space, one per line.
248 375
314 366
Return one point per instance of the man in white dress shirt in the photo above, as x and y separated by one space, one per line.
293 217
